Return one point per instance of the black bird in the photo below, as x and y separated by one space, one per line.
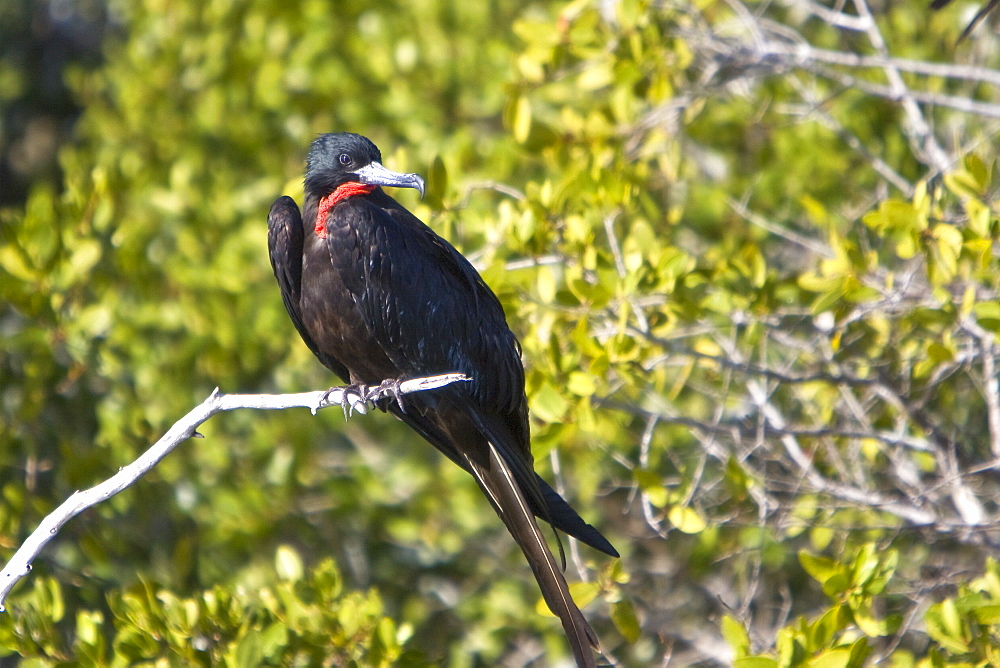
376 295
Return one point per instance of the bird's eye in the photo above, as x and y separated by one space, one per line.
344 159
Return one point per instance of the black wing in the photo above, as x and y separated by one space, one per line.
448 318
285 238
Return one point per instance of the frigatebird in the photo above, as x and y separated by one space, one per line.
376 295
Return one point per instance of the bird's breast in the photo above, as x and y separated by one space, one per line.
329 311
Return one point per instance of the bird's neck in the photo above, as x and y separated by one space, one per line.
342 192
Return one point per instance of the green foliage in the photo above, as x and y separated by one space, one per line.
297 620
759 313
967 626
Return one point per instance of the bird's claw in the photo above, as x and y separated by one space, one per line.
387 388
352 398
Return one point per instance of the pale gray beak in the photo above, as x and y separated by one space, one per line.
374 174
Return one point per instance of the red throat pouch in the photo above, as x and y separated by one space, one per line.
343 191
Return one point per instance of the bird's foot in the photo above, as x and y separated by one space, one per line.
352 398
385 389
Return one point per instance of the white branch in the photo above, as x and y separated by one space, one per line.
991 383
183 429
923 139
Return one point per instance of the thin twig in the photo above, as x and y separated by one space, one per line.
802 53
991 384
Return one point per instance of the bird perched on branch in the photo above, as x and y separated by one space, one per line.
376 294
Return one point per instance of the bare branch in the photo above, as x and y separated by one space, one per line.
838 19
802 54
185 428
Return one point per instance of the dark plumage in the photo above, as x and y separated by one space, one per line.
376 294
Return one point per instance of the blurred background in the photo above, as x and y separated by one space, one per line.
750 250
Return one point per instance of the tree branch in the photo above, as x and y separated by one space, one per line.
350 398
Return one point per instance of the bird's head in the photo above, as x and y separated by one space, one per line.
346 158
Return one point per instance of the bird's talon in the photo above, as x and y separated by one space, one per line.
354 397
323 402
386 389
358 403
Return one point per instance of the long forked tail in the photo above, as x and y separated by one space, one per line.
499 485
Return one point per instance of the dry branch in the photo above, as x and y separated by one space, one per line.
185 428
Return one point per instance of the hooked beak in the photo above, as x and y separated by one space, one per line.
375 174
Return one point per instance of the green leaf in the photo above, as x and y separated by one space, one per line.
820 568
273 640
546 284
980 217
584 592
521 118
834 658
548 405
977 170
15 263
865 564
944 625
895 216
437 183
582 384
756 662
866 619
624 618
686 519
988 315
288 564
248 650
86 254
88 628
829 626
736 636
987 614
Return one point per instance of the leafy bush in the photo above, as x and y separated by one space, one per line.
750 251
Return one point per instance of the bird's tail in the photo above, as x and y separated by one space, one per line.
500 486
